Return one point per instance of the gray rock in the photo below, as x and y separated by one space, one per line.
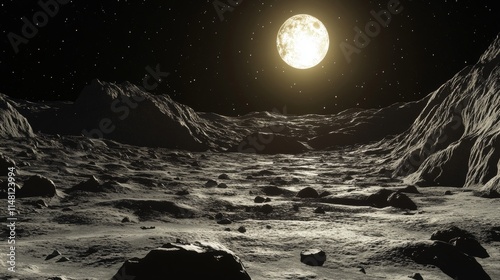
313 257
185 261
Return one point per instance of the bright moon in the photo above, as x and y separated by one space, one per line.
303 41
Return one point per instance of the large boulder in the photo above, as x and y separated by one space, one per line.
446 257
185 261
38 186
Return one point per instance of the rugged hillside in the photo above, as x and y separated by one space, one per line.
12 123
455 140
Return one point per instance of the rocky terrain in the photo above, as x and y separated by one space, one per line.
123 184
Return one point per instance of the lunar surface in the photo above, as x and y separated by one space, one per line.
369 188
303 41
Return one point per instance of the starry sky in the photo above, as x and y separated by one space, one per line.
227 62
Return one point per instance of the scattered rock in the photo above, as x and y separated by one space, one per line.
409 189
273 191
259 199
219 216
416 276
63 259
448 193
308 193
223 176
185 261
145 228
267 199
401 201
489 194
52 255
38 186
224 221
182 192
266 209
470 246
362 269
380 198
296 207
222 186
319 210
242 229
210 184
41 203
278 181
91 185
325 193
384 198
313 257
264 173
126 220
449 233
227 229
448 258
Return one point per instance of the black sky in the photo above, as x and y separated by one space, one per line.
232 67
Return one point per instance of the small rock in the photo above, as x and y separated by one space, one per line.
126 220
222 186
67 209
448 193
362 269
266 209
325 193
224 221
409 189
269 227
182 192
402 201
219 216
308 193
54 254
416 276
210 184
296 207
242 229
41 202
259 199
273 191
267 199
227 229
319 210
223 176
63 259
145 228
313 257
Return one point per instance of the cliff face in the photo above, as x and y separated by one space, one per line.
12 123
456 139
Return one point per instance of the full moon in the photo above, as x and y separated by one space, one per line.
303 41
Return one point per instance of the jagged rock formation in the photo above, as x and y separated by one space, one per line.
455 140
12 123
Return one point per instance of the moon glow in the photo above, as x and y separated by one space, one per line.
303 41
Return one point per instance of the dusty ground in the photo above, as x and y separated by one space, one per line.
87 228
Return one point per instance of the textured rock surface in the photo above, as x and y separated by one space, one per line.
185 261
12 123
455 140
